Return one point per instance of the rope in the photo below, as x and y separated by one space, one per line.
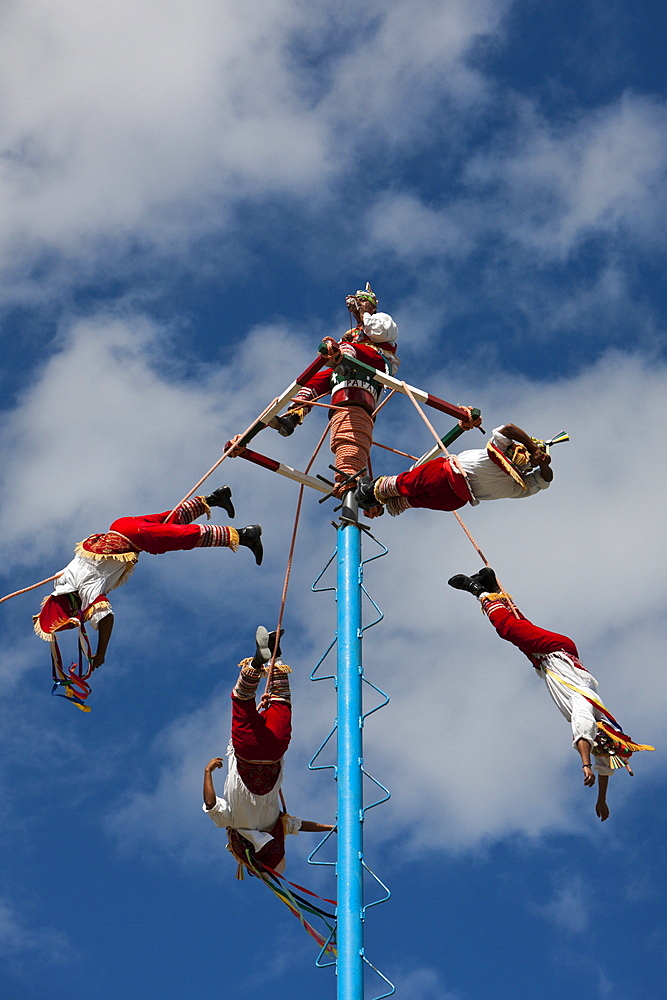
264 701
383 403
224 455
395 450
454 512
33 587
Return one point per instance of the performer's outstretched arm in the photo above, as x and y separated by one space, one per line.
584 750
104 630
210 798
308 826
601 807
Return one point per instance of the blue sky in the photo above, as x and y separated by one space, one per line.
187 194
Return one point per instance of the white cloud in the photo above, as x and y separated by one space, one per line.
17 937
423 983
543 187
570 906
120 125
562 183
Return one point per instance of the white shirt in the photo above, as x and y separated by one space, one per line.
252 815
381 328
487 481
574 706
89 578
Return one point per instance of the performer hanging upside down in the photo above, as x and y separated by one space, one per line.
373 341
104 562
512 465
250 807
573 689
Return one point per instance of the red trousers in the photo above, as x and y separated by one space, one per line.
261 736
530 639
435 484
149 534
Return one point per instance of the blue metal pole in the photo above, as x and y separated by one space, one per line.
349 869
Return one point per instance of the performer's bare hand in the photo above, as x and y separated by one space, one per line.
235 452
331 351
589 776
97 661
375 511
214 764
602 810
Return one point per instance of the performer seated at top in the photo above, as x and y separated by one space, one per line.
250 807
512 465
573 689
104 562
373 341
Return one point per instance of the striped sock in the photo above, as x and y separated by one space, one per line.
245 688
386 492
218 535
491 602
280 689
191 509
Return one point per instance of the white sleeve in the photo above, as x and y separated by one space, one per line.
380 327
501 442
95 619
291 824
535 482
220 813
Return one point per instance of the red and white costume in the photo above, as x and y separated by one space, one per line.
104 562
374 343
250 806
572 688
450 483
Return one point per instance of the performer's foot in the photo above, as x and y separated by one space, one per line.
262 651
272 642
364 493
463 582
222 497
264 643
287 423
251 537
487 579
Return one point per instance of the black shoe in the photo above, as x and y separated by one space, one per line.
251 537
487 578
222 497
262 651
364 493
463 582
287 423
264 643
272 642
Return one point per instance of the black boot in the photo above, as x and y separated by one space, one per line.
287 423
272 642
462 582
264 643
364 493
251 537
222 497
487 578
262 651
